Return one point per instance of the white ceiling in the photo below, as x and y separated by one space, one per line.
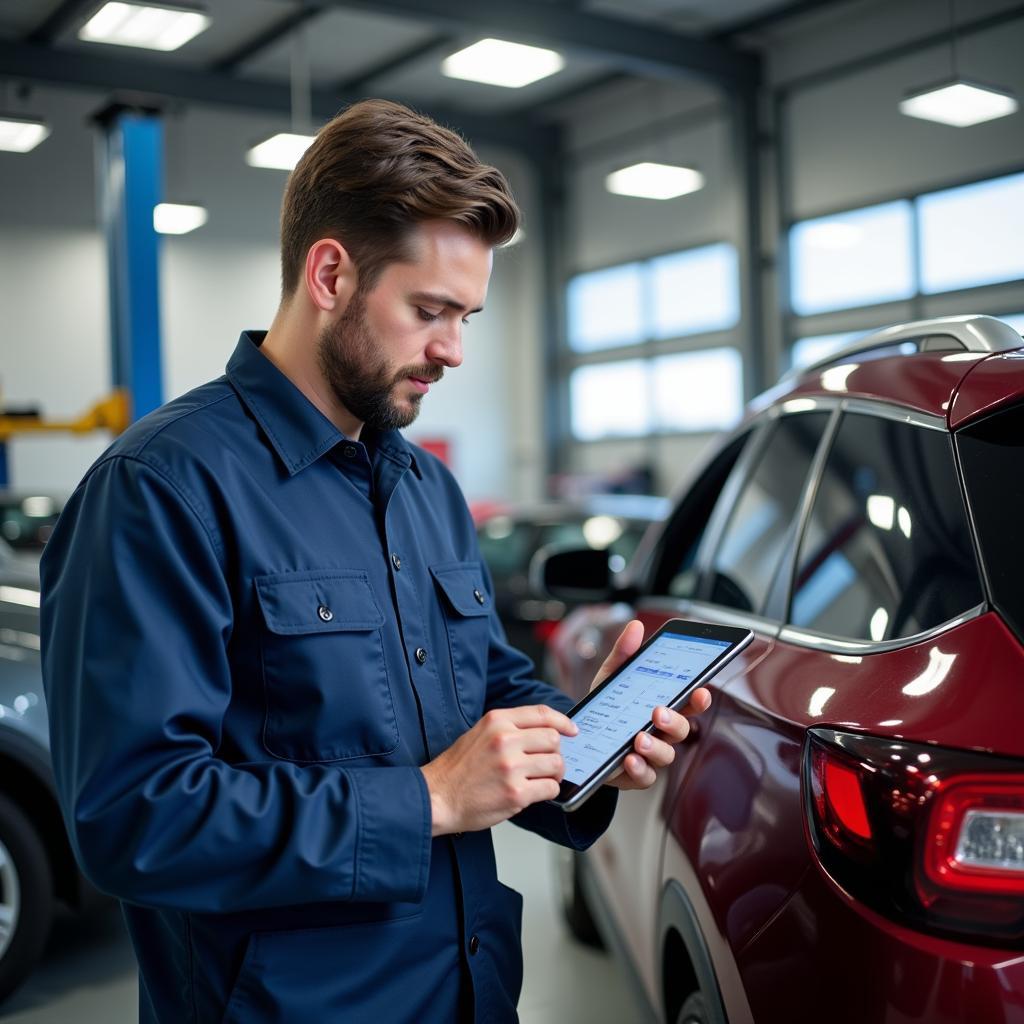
344 46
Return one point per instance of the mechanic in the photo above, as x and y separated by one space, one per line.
283 712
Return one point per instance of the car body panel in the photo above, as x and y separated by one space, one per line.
873 970
992 383
926 383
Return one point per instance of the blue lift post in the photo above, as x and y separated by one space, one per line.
130 180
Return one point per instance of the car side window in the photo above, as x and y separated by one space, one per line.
763 518
676 572
886 552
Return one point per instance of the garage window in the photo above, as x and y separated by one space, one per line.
972 235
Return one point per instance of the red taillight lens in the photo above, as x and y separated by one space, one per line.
838 798
975 835
930 836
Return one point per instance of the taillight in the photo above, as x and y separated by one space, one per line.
838 799
975 837
930 836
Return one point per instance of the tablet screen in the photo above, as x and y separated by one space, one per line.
660 673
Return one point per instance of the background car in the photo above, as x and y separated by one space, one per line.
37 868
27 520
510 537
843 836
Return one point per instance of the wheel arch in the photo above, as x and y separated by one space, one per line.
685 963
26 783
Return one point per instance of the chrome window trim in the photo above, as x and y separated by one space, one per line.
837 645
896 413
686 608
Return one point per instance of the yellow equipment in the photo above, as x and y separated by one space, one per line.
112 413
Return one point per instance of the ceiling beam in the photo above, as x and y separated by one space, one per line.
265 39
642 49
358 83
770 18
115 74
61 18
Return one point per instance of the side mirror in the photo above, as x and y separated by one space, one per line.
576 574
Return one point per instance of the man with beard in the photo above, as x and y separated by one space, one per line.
283 713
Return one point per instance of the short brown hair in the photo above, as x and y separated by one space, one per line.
372 174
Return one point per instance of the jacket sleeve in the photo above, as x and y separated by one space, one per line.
511 683
136 618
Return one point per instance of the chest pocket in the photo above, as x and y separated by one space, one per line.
325 681
467 609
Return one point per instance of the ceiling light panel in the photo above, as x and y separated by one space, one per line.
178 218
654 181
21 134
280 152
496 62
151 26
959 103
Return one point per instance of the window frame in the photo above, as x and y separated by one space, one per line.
993 299
650 347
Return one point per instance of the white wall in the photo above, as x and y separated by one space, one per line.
215 283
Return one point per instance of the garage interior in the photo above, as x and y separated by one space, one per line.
621 335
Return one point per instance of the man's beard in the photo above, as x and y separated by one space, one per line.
355 367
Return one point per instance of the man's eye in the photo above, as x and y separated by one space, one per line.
465 320
425 314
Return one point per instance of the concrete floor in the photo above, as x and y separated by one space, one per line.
88 974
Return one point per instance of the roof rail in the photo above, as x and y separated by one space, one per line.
970 333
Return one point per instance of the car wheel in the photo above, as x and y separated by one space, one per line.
26 896
694 1010
575 909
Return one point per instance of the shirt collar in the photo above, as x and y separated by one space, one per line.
296 428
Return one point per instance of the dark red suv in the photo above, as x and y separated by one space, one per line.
843 838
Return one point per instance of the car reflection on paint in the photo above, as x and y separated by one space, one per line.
843 836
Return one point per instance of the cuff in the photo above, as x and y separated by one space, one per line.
392 861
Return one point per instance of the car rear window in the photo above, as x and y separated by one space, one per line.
991 453
887 551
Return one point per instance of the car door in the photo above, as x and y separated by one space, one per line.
718 819
751 511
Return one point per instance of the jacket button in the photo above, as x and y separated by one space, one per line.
479 597
421 655
396 562
325 613
474 945
349 451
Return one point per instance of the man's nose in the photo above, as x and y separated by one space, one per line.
445 346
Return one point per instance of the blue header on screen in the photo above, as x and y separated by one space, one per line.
701 640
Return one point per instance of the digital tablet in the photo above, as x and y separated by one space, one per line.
670 665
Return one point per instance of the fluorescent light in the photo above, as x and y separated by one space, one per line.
177 218
496 62
21 134
20 595
281 152
959 103
654 181
152 26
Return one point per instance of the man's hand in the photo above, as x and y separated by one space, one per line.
507 761
651 751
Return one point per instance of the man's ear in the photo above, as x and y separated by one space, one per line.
330 276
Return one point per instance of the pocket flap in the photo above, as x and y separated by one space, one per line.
463 585
322 601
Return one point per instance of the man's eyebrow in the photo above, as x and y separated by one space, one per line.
437 299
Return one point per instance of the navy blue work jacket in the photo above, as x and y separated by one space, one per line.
255 630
